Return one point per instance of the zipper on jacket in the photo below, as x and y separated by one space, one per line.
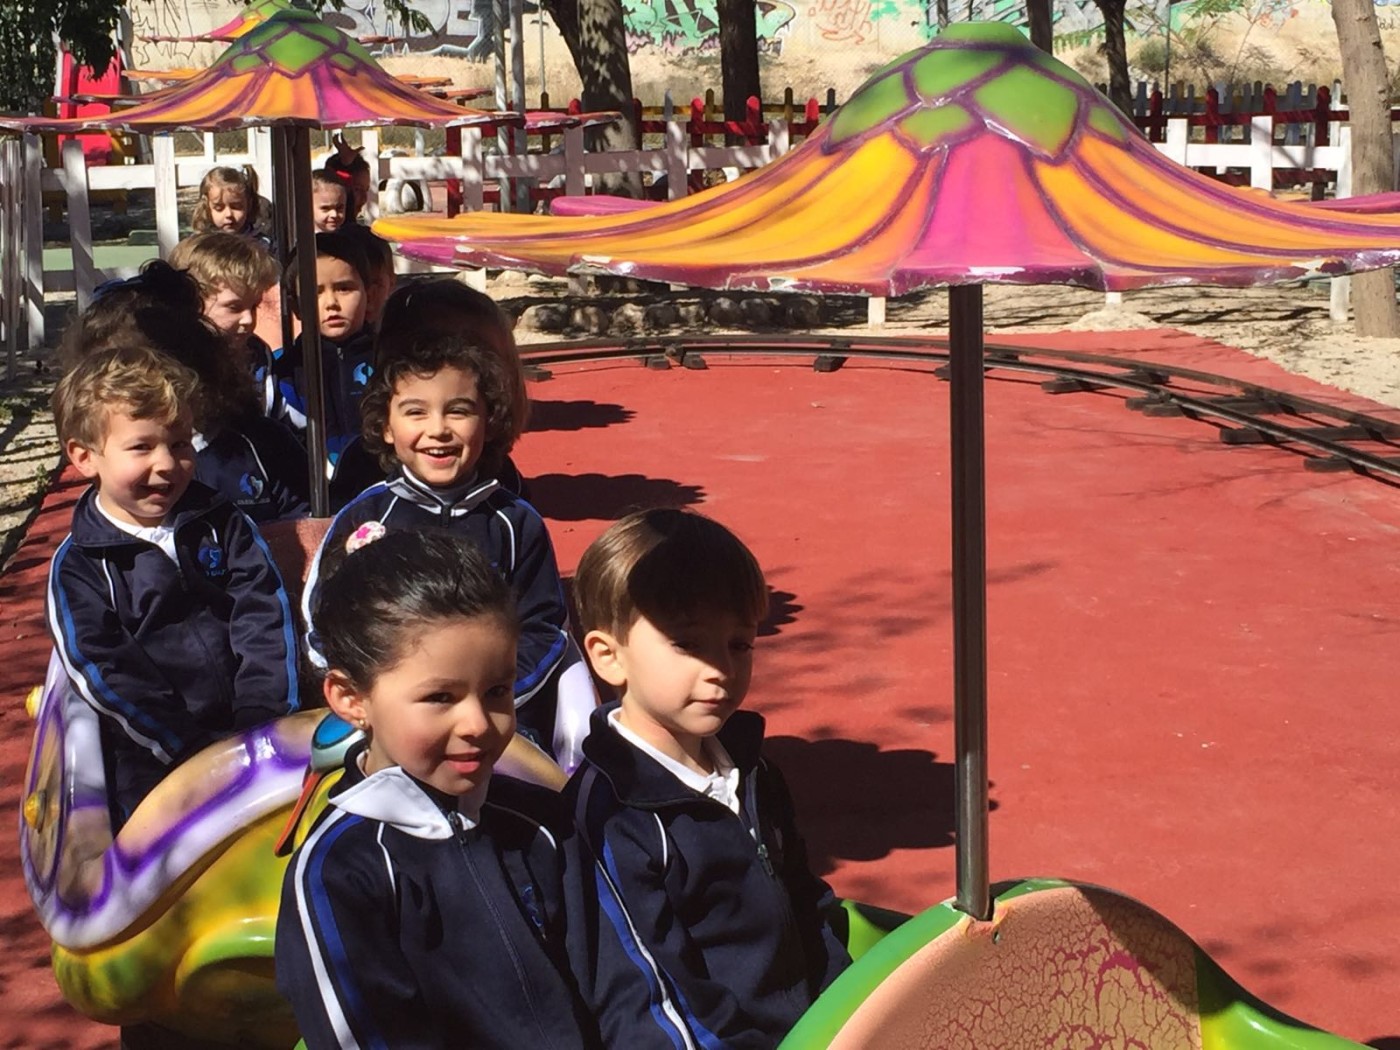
751 809
459 825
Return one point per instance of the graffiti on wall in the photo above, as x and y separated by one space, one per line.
460 27
680 27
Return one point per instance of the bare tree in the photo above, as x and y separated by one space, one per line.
738 55
1115 51
1372 145
594 34
1041 16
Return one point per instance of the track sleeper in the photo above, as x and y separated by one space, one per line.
1246 436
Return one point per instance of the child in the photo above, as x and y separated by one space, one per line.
347 343
328 202
438 415
254 462
690 830
164 604
228 201
449 307
348 165
381 273
424 908
234 274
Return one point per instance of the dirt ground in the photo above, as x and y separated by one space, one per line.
1287 324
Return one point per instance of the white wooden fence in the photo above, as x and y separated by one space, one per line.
23 181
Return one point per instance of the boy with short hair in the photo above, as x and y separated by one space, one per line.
347 342
163 602
703 925
234 274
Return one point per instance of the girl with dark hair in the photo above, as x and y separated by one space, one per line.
425 907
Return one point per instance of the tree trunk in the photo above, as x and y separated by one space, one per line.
738 55
1042 23
1115 50
597 42
1368 100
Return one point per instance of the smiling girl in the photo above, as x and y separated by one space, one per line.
439 416
424 909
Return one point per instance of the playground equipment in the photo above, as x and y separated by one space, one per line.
1036 962
997 163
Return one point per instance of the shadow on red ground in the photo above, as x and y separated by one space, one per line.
1191 649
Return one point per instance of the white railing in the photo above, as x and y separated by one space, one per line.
24 178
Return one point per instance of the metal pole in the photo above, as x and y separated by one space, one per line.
969 598
517 86
504 133
298 148
282 215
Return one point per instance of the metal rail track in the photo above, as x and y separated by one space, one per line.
1330 437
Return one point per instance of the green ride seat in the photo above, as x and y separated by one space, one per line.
1059 964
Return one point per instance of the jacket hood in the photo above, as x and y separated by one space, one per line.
456 501
393 797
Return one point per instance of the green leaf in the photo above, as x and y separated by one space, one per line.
1107 122
1000 33
1031 108
942 71
929 127
294 51
873 104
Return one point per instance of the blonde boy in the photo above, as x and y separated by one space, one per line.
688 832
234 273
163 602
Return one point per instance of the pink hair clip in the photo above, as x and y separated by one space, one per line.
364 536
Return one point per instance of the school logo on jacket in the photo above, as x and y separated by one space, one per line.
211 558
361 373
251 486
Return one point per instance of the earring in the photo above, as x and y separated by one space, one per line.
361 724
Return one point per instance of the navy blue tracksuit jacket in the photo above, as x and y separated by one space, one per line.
408 924
505 528
172 657
258 465
345 369
696 928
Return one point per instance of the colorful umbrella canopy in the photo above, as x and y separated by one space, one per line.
975 159
292 69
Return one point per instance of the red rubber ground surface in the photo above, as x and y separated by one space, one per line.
1192 650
